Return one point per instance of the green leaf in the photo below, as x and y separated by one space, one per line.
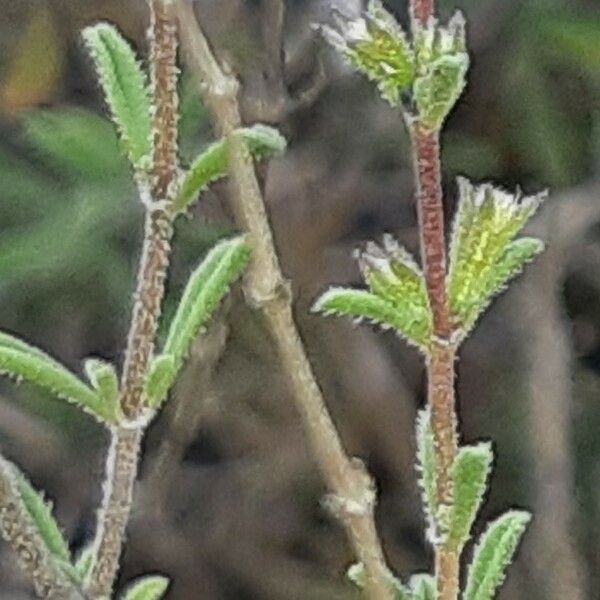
437 91
85 563
103 377
483 256
357 574
125 89
213 163
493 554
159 379
206 288
41 517
423 587
150 587
398 298
23 362
469 474
426 470
442 65
376 45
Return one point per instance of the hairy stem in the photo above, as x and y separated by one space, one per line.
352 491
122 460
441 355
34 557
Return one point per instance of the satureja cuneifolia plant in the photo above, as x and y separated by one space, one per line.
434 307
145 114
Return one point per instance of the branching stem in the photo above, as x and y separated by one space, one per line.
441 355
122 460
352 493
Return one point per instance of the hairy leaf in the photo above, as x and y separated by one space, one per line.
442 64
483 255
398 298
103 377
213 163
24 362
361 305
150 587
469 474
493 554
41 517
125 89
206 288
358 576
85 563
376 45
422 586
426 470
437 91
159 379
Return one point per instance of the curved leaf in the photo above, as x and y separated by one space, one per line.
493 554
23 362
206 288
159 379
125 89
213 163
469 474
151 587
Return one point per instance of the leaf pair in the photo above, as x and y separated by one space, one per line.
452 526
433 67
126 91
484 255
397 298
207 286
24 362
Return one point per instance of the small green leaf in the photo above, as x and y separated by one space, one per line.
426 470
85 563
398 298
125 89
41 517
483 255
470 472
23 362
213 163
423 587
437 91
103 377
159 379
442 65
206 288
357 574
493 554
376 45
150 587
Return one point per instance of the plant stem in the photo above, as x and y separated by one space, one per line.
442 353
122 459
351 487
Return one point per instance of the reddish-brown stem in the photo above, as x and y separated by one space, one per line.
426 148
421 10
441 355
122 460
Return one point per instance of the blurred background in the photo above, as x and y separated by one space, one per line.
228 499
